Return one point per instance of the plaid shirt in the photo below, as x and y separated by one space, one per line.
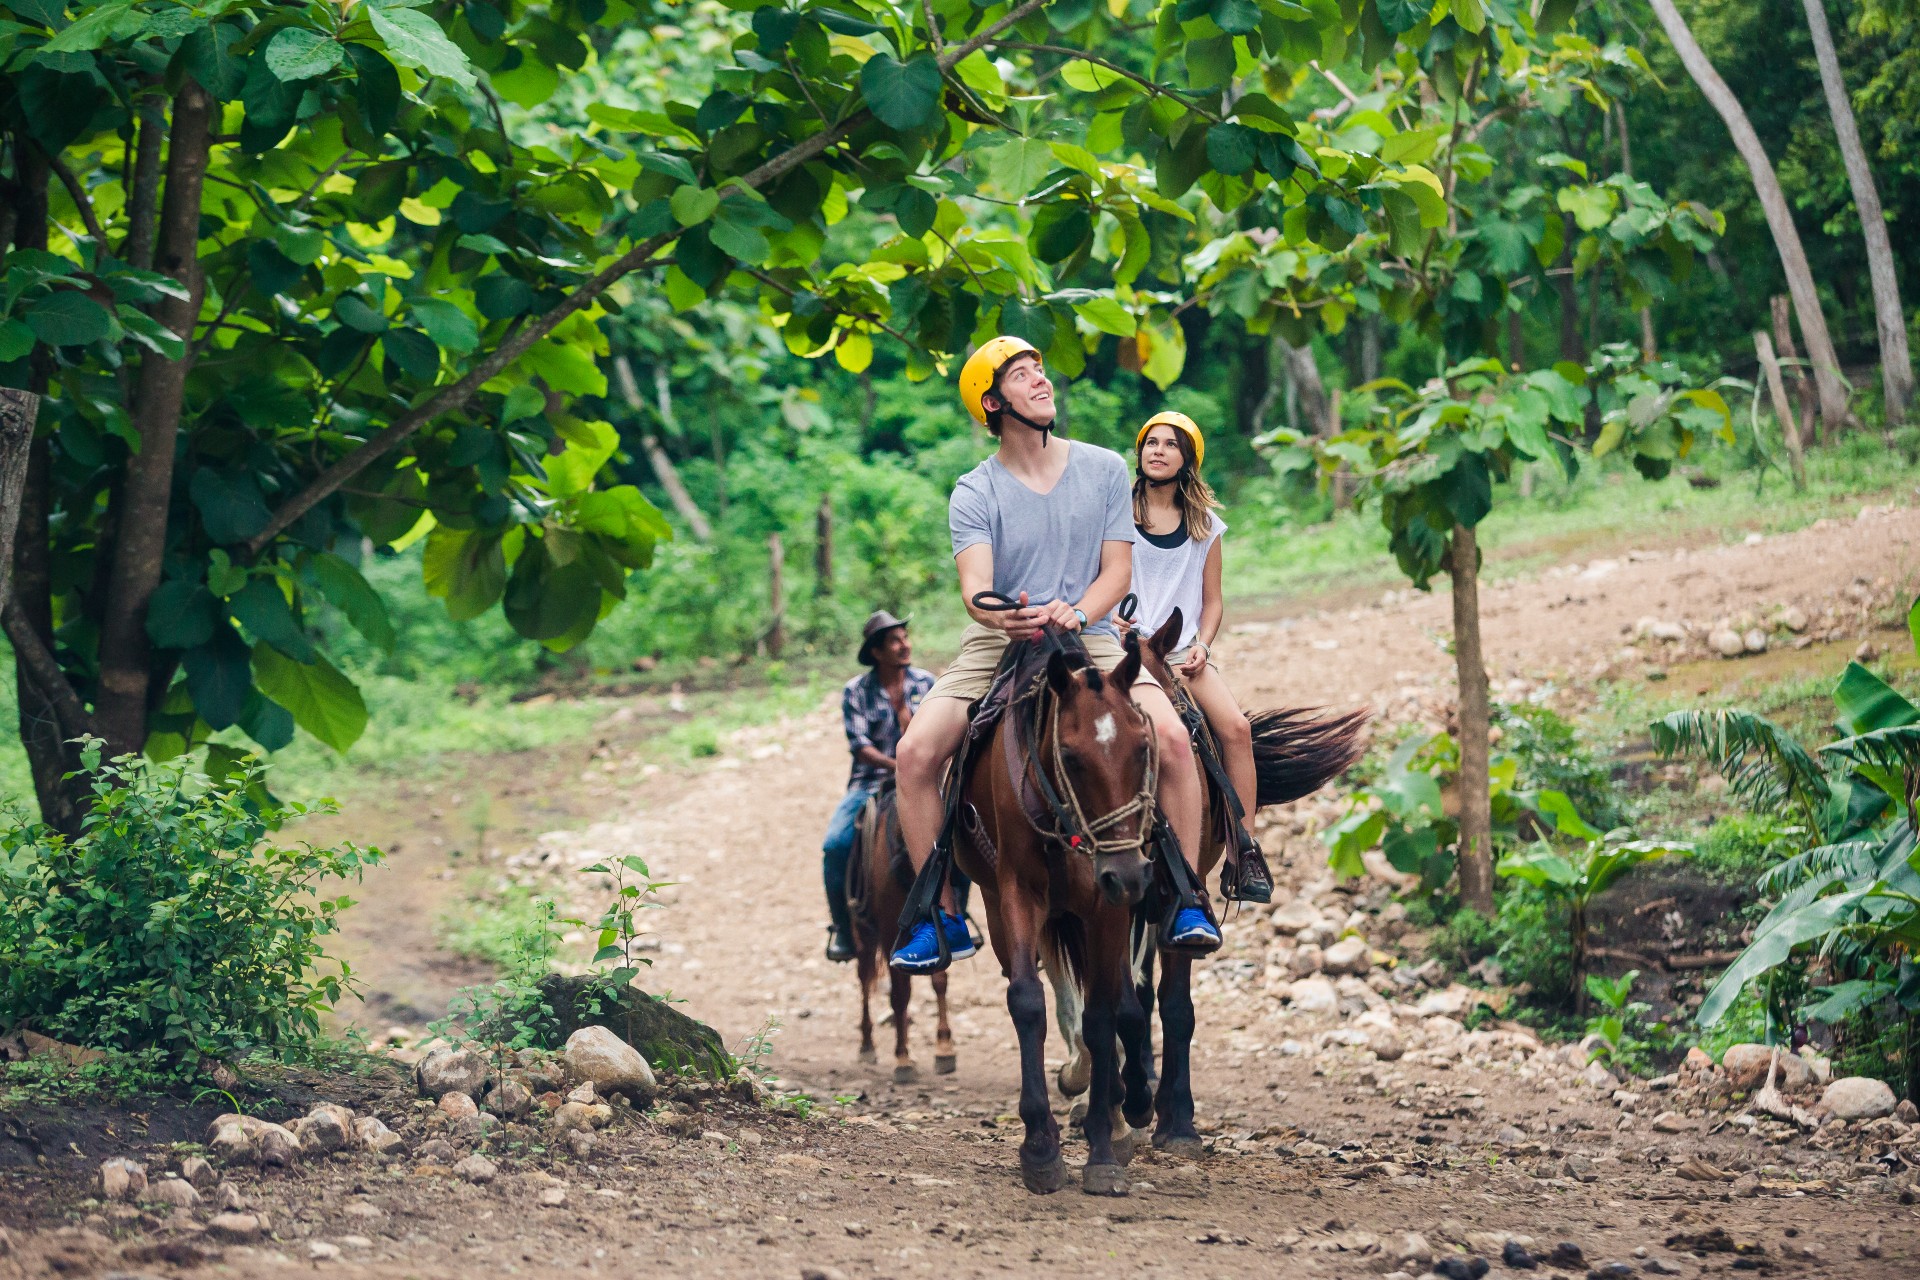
867 713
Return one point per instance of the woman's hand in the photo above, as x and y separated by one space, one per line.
1197 655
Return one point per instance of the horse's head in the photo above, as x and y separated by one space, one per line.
1103 767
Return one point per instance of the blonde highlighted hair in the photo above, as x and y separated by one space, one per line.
1192 496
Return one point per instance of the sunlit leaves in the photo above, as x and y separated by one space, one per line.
413 39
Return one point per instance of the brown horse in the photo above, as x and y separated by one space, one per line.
1058 822
1295 754
878 877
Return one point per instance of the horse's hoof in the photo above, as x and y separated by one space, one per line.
1077 1113
1075 1077
1045 1177
1183 1145
946 1064
1123 1148
905 1073
1105 1180
869 1055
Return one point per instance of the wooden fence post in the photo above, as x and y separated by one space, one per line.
823 548
1782 408
776 596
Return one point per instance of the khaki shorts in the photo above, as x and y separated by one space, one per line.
970 674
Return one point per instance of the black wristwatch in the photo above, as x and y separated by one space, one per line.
1082 615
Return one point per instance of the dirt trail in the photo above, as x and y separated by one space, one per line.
919 1178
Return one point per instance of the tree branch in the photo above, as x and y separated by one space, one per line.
44 671
143 199
1149 85
81 199
457 393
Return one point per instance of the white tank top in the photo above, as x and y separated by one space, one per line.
1169 578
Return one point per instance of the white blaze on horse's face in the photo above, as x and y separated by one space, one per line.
1105 730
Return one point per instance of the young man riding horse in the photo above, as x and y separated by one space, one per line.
875 709
1051 529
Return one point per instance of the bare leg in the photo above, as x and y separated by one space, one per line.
1180 796
1216 701
928 744
944 1057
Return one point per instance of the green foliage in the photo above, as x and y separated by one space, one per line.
1739 847
1527 936
514 930
1852 897
1621 1023
171 924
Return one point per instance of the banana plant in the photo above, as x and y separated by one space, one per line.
1580 876
1852 898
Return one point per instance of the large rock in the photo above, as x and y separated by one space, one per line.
1858 1098
239 1139
1450 1002
665 1037
1349 955
326 1128
582 1116
372 1133
1292 917
1746 1068
446 1071
1306 960
1313 995
174 1191
610 1064
122 1179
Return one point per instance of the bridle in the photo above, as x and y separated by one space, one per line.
1065 822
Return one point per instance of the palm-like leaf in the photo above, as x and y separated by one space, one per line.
1842 861
1889 758
1761 762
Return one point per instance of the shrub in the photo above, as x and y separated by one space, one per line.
1739 847
172 923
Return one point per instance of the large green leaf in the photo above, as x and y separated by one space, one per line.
217 676
1761 762
415 40
1403 15
466 569
904 95
181 615
348 592
1773 943
67 318
297 53
261 607
1866 702
323 702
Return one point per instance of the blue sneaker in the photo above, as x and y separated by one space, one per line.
1192 931
922 952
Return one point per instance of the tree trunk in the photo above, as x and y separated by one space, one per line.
1766 185
18 409
1369 348
1571 349
1305 372
1476 815
1784 350
1276 374
121 706
1782 408
663 468
137 249
823 548
1896 365
776 596
1647 347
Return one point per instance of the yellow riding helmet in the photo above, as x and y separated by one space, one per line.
1179 422
977 375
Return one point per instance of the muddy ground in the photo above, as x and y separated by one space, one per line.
896 1179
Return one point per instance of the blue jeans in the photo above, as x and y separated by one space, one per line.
835 852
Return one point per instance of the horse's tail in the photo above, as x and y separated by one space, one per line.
1296 751
1066 937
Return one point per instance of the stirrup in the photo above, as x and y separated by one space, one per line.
1246 877
1189 948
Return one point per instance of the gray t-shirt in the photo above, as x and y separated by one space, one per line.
1047 545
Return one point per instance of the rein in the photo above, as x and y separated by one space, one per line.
1071 827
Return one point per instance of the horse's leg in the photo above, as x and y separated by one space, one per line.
1040 1163
1138 1106
903 1068
865 966
1136 1041
1103 1175
1175 1133
1076 1072
944 1059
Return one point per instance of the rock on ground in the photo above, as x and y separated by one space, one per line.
122 1179
597 1055
1858 1098
174 1191
448 1070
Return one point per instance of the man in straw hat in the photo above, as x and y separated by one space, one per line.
875 709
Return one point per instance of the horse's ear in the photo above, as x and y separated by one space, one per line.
1124 675
1059 674
1167 636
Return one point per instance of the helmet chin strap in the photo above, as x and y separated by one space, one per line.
1008 411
